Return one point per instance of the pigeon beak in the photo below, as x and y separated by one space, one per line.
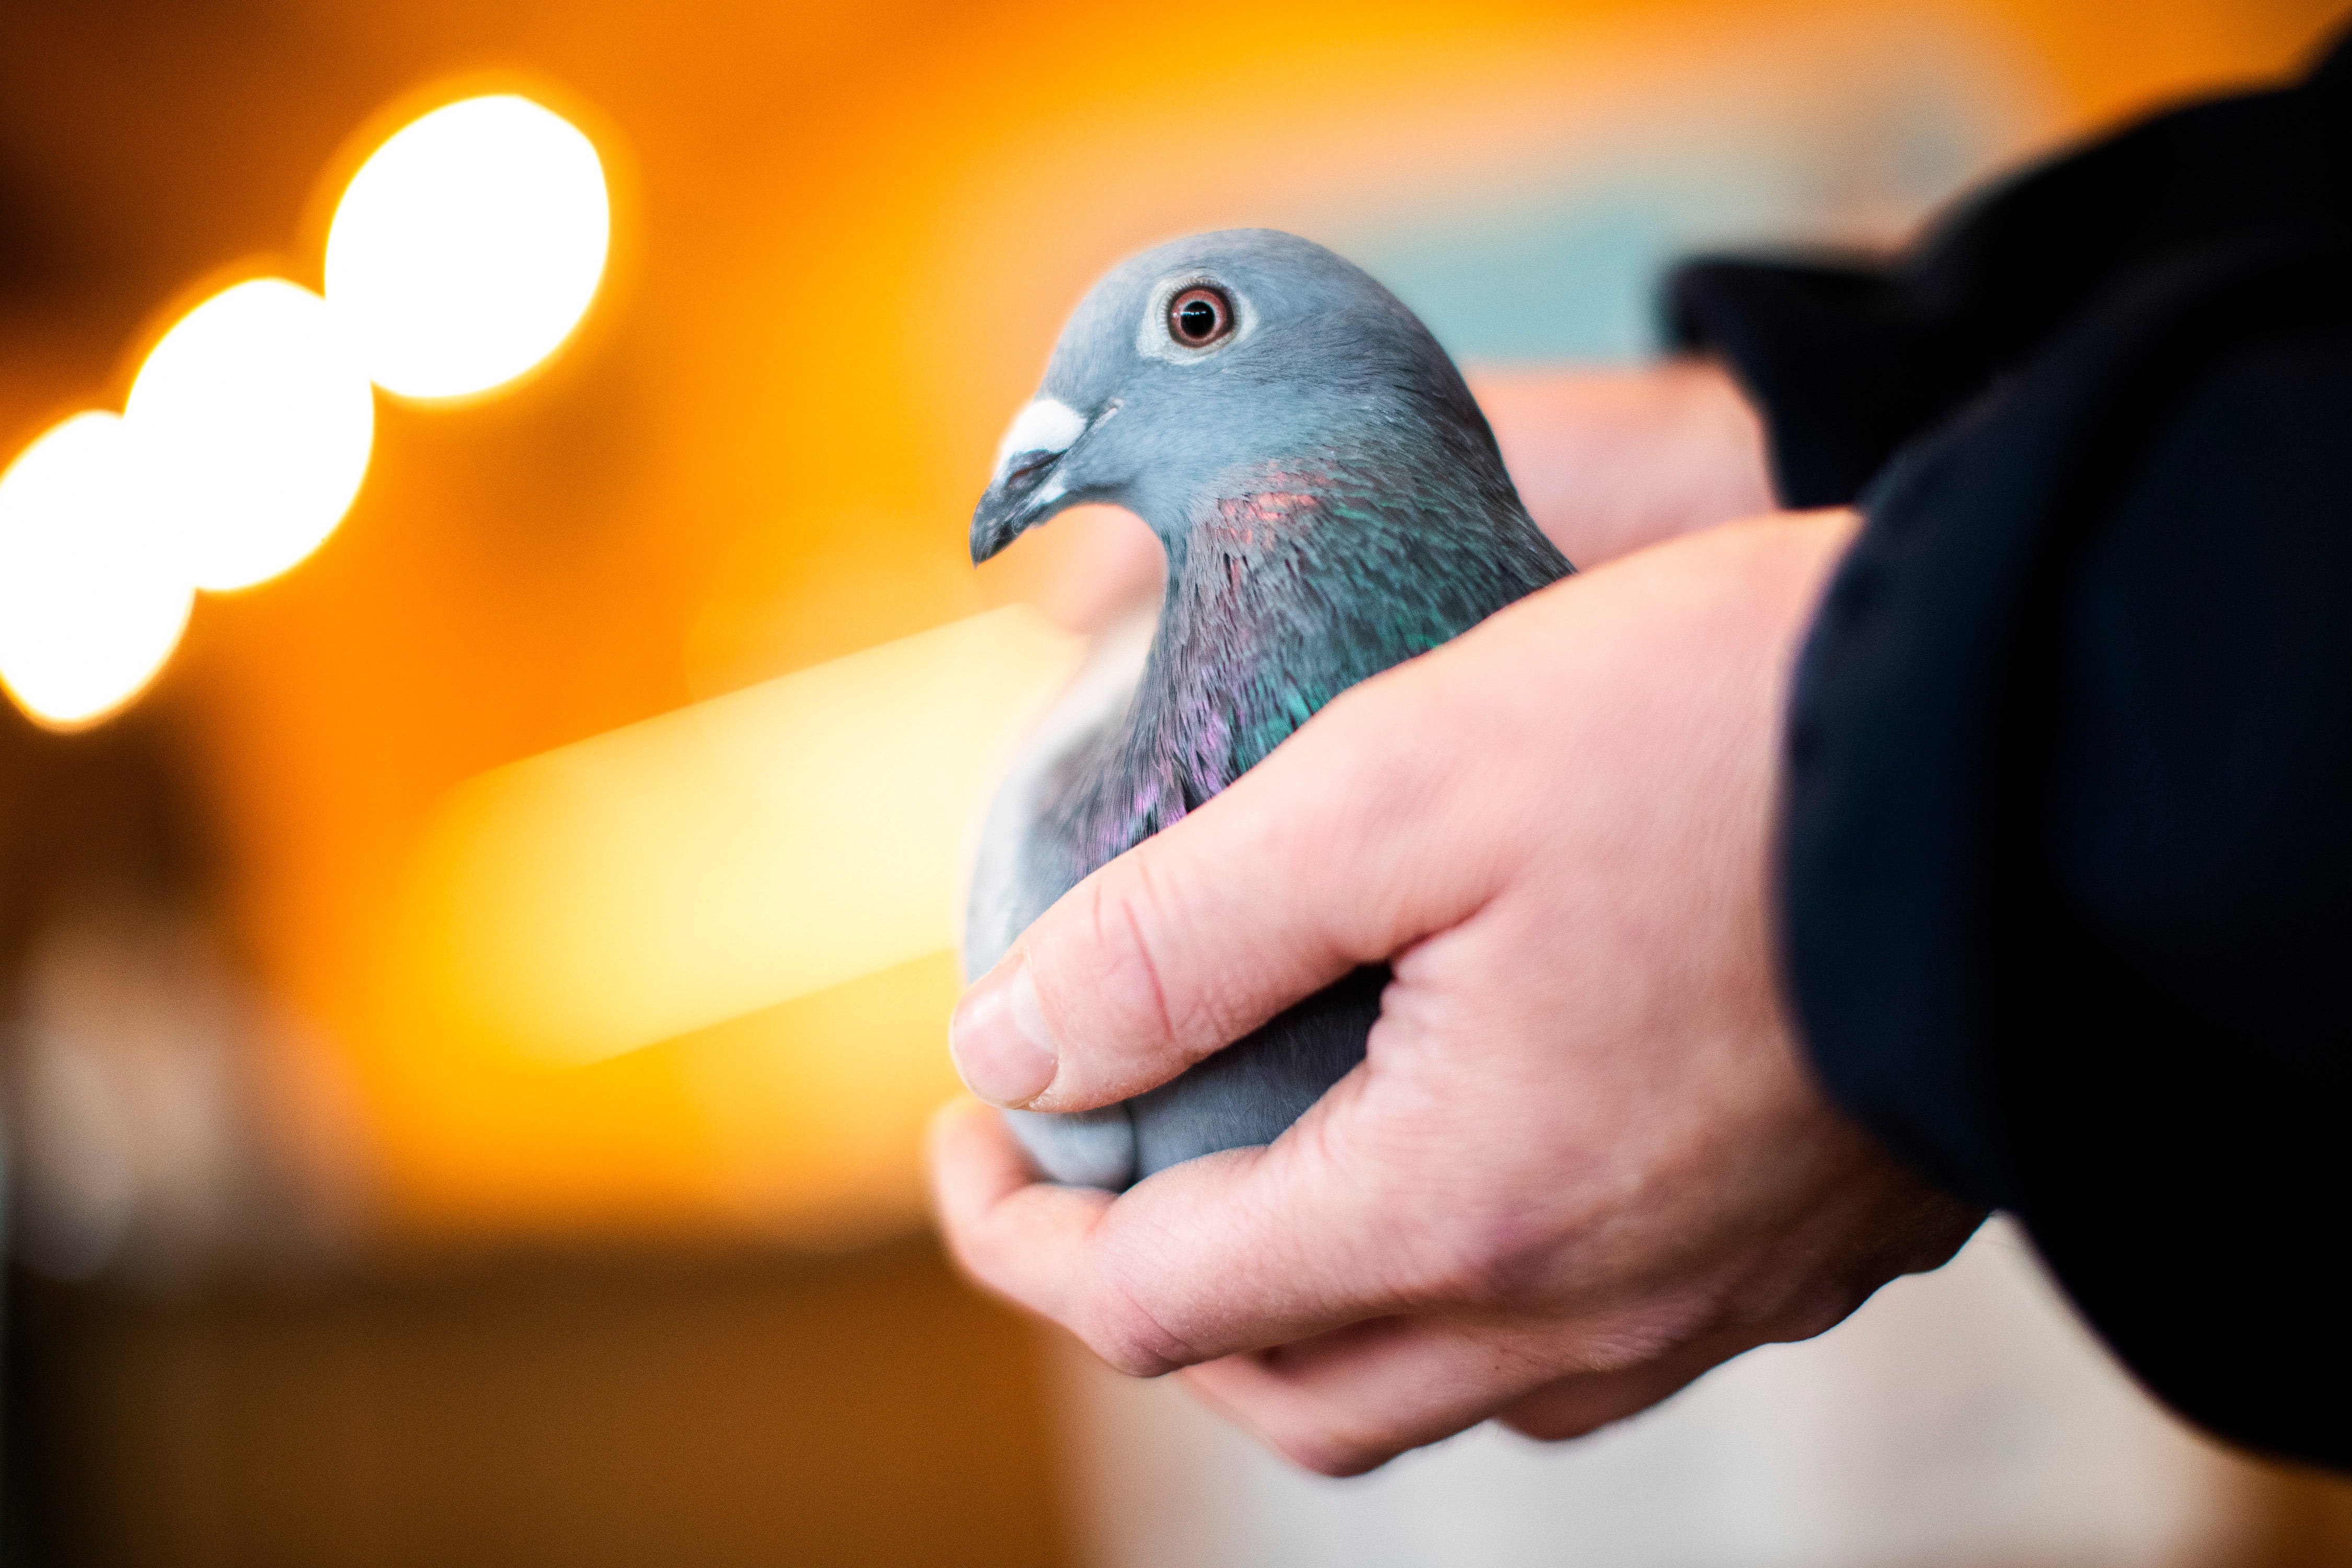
1013 502
1026 483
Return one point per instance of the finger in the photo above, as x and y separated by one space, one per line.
1312 864
1580 1404
1349 1401
1009 1230
1234 1251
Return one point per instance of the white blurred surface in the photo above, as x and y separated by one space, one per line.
1963 1417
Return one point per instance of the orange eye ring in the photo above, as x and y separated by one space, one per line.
1199 317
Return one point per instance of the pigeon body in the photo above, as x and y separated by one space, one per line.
1331 503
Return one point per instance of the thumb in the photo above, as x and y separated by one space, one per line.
1272 891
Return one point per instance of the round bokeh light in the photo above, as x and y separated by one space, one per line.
468 246
92 601
252 424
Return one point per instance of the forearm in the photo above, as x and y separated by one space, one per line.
2065 853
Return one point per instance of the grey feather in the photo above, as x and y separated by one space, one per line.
1331 503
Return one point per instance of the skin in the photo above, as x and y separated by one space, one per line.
1583 1160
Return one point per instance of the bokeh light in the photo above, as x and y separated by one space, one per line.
700 866
92 602
252 424
468 246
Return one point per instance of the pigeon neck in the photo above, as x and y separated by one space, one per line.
1293 581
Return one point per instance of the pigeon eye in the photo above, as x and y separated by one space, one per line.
1199 317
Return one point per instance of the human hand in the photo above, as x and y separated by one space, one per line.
1609 461
1582 1161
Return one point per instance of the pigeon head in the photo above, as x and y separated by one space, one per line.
1201 361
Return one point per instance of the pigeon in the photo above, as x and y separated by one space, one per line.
1331 502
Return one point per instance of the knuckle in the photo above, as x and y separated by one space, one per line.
1815 1309
1491 1256
1381 774
1388 781
1334 1450
1655 1329
1122 914
1809 1319
1120 1329
961 1249
966 1245
984 1260
1557 1425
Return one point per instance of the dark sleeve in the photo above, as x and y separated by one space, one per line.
2067 852
1850 358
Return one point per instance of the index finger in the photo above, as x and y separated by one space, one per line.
1312 864
1233 1251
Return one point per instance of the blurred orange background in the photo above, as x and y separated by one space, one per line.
464 779
844 238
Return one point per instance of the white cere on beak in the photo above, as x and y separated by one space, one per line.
1048 425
